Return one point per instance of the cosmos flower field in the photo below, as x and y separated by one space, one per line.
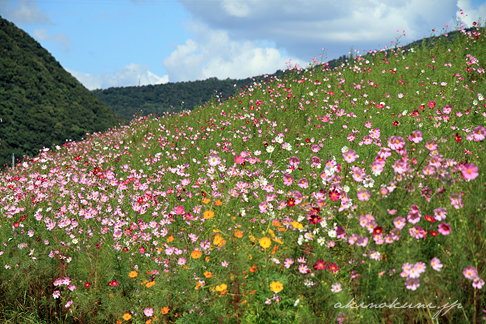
298 200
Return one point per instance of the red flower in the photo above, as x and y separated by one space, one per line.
458 138
377 230
334 195
396 123
291 202
113 283
333 267
87 284
315 219
433 233
307 140
320 265
430 218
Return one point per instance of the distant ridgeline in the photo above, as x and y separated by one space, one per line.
41 104
174 97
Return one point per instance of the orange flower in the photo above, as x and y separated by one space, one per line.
164 310
150 284
252 292
218 202
208 274
253 268
207 259
275 249
170 238
276 223
282 229
208 214
148 322
206 201
196 254
127 316
238 233
133 274
198 284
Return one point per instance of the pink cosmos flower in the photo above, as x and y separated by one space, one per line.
412 283
435 264
469 171
358 175
416 136
399 222
417 232
352 239
336 287
148 312
239 159
303 268
56 294
350 156
478 283
288 262
362 241
479 133
444 229
456 200
470 273
288 179
440 213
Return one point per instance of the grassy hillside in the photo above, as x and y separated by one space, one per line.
41 103
305 199
132 102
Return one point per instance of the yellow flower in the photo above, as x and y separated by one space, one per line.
164 310
196 254
221 287
133 274
217 239
276 286
297 225
271 232
208 214
127 316
265 242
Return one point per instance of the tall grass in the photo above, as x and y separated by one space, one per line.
352 195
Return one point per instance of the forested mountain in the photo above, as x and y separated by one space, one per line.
41 104
153 99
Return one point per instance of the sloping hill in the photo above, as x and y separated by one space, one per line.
178 96
41 104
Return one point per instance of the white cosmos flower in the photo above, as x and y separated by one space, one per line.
270 149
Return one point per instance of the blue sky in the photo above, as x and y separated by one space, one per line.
115 43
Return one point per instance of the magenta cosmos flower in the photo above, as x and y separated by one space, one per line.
444 229
303 183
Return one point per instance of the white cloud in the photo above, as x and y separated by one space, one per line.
130 74
470 14
27 11
304 27
213 54
42 35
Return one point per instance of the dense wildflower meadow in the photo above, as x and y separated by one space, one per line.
347 195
